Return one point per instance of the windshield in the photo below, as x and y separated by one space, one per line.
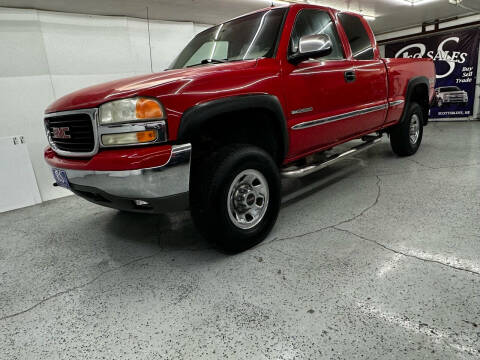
449 88
246 38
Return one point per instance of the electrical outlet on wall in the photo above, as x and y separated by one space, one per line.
18 184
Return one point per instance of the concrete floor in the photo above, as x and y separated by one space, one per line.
377 257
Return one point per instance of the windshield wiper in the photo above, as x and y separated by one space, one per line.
209 61
213 61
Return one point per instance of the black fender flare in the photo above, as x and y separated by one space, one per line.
412 84
196 116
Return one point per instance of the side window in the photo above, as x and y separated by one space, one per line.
311 22
357 37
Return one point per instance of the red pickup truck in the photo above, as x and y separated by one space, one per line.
247 102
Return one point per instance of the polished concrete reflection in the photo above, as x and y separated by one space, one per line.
377 257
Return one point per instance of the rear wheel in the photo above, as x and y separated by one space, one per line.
406 137
235 196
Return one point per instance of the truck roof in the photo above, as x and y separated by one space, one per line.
291 5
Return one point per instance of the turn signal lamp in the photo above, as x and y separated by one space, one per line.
129 138
148 109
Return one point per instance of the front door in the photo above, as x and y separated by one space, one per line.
318 90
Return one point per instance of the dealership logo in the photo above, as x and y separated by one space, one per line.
450 57
61 132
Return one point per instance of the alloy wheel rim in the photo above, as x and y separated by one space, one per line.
247 200
414 131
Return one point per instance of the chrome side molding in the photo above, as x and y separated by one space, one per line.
396 103
308 124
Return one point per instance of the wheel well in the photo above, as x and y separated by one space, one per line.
253 126
420 96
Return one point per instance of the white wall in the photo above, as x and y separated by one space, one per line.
46 55
418 29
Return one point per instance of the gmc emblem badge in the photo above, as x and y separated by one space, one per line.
61 132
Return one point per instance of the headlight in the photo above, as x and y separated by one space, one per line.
133 121
130 110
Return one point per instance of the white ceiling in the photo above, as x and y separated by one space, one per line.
200 11
390 14
398 14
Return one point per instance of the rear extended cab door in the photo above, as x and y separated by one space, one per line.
369 89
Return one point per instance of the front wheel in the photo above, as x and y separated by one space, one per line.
236 196
406 137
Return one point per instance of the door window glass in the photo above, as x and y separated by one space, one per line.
357 37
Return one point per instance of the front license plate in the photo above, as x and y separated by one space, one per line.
61 179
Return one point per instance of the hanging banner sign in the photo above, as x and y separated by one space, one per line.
456 59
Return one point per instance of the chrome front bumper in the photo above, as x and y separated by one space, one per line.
120 189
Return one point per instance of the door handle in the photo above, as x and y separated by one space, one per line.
350 76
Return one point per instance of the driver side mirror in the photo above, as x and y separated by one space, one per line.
311 46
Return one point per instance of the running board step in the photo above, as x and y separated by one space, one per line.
309 169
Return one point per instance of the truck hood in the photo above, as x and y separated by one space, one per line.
455 93
165 83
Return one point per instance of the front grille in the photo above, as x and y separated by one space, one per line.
456 97
71 132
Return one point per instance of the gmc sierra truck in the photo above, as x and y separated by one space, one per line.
247 102
448 95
